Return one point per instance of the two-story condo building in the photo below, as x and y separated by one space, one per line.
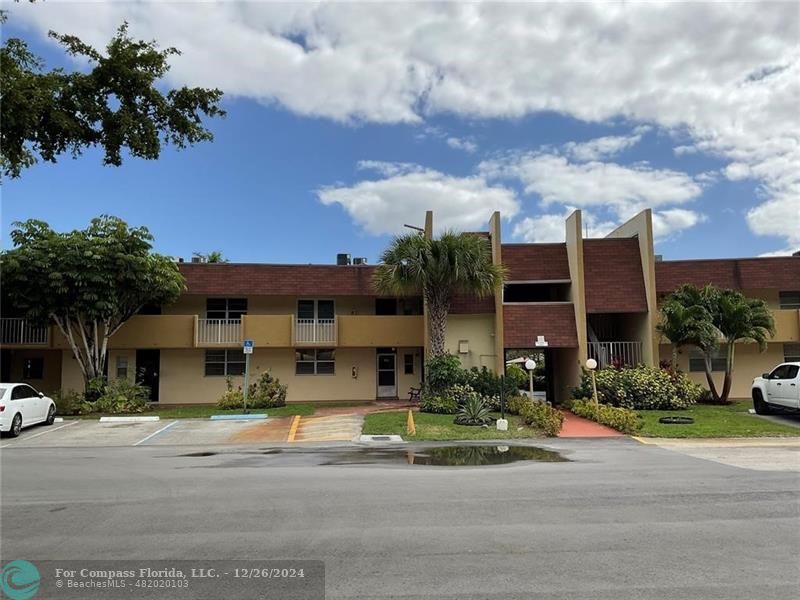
324 331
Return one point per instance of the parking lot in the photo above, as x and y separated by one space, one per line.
168 432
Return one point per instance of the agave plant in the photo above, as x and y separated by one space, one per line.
473 412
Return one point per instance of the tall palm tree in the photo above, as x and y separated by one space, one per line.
705 317
741 318
438 269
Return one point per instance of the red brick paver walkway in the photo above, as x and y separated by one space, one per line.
575 426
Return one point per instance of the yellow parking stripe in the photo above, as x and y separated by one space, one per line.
293 428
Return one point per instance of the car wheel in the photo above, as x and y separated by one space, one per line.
16 425
51 415
761 407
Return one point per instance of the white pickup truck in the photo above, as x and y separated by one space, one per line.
780 387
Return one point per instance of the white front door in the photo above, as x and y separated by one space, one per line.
387 375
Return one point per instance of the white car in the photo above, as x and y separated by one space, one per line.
780 387
21 406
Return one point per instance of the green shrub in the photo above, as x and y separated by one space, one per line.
443 372
488 384
640 388
621 419
266 392
515 404
443 405
473 412
542 415
120 396
70 402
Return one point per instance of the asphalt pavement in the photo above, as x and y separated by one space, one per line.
617 520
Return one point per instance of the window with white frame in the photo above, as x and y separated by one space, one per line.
697 363
789 299
226 308
315 362
791 352
224 362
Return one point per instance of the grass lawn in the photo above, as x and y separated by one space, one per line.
202 412
713 421
432 427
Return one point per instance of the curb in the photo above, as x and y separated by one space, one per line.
128 419
252 417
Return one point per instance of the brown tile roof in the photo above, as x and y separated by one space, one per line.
613 276
523 322
780 272
532 262
277 280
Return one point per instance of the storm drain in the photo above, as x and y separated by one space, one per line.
381 438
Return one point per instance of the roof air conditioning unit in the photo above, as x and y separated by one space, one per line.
342 259
198 259
359 260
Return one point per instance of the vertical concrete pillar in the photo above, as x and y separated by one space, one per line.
641 227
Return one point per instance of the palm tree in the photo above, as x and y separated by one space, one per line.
705 317
438 269
741 318
686 325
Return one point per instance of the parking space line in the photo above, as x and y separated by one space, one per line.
293 428
35 435
155 433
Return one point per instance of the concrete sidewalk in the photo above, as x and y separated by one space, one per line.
759 454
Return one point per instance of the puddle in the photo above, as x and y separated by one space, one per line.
447 456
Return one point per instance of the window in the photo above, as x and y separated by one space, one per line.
33 368
122 367
315 362
789 299
21 392
408 364
226 308
791 352
697 362
224 362
385 306
316 309
784 372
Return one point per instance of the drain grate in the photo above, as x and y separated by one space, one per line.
381 438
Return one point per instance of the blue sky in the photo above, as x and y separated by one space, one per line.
294 177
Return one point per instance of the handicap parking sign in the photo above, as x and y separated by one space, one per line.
248 346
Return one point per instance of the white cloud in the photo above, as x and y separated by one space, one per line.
405 192
625 189
465 144
728 77
603 147
551 227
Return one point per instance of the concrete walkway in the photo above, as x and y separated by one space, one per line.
333 428
578 427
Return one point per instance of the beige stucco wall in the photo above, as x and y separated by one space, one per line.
183 380
748 363
478 330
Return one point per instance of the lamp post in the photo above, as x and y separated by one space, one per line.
530 365
591 364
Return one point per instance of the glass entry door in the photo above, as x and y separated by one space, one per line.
387 375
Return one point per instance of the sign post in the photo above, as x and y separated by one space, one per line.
247 349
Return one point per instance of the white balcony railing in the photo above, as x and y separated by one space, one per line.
616 354
219 331
21 331
315 331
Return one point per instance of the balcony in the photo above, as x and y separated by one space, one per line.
219 332
20 332
314 332
374 331
616 354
